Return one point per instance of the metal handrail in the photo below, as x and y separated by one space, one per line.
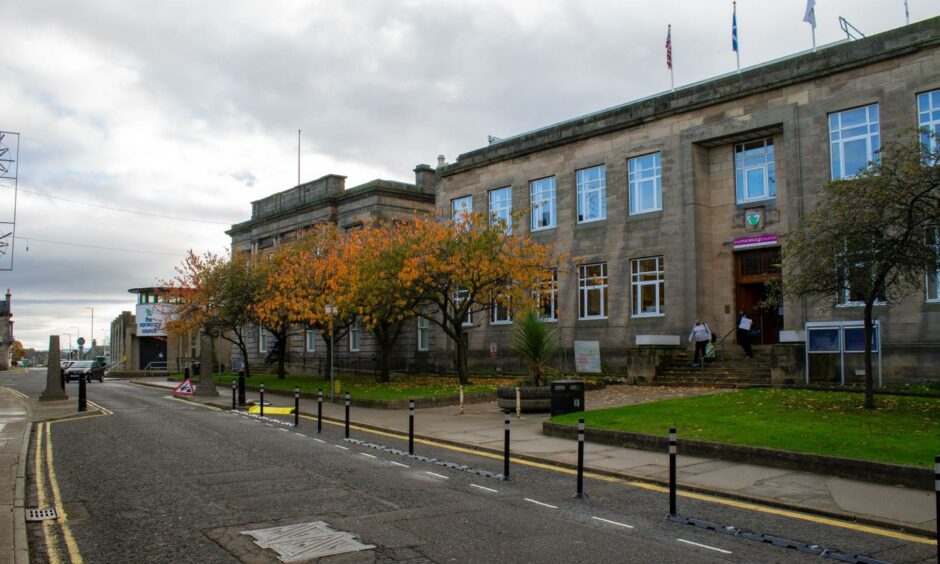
720 342
155 366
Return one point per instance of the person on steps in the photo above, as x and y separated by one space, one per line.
701 335
744 333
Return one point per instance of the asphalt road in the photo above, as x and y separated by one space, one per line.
163 480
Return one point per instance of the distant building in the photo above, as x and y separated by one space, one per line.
281 217
6 332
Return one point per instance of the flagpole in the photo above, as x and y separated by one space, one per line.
672 78
907 15
814 38
737 44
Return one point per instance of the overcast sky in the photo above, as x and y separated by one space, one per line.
191 109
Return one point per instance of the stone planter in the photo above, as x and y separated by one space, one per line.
533 398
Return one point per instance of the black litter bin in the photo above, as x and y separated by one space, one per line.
567 396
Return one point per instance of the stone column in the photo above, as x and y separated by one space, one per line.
206 386
54 389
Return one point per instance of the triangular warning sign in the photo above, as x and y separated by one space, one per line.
185 388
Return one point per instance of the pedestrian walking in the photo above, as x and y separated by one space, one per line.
701 335
745 323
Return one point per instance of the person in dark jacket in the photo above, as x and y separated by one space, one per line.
745 323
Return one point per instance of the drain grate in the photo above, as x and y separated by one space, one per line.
44 514
294 543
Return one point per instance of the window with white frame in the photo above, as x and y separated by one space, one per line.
592 194
548 296
754 171
857 280
933 275
646 184
264 339
854 140
354 337
928 118
462 294
461 208
500 312
501 207
424 334
310 340
649 286
592 291
542 198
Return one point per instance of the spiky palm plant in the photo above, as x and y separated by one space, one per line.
536 342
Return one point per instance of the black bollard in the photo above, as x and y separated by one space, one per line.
234 394
580 493
261 402
672 472
82 394
186 373
506 447
347 415
241 387
936 496
296 406
411 427
319 410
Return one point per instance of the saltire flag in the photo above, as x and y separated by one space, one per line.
734 29
810 16
669 48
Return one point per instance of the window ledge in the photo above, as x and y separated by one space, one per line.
647 315
555 320
500 322
540 229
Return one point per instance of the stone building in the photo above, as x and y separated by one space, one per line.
673 208
6 332
281 216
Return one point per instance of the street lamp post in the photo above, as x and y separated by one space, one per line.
77 335
70 345
92 325
331 310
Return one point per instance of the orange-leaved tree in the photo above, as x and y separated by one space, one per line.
215 294
374 257
466 267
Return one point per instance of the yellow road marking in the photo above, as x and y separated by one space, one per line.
870 529
74 555
191 402
48 527
14 392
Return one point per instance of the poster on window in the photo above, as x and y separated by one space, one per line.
587 356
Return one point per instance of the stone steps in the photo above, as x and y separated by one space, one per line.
733 370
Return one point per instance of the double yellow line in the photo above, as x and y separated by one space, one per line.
47 487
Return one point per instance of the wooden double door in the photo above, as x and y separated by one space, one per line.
757 278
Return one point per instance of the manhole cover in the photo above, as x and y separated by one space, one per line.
41 514
304 541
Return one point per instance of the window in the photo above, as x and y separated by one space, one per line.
754 171
461 208
354 337
592 290
542 197
501 207
649 285
646 184
853 140
310 340
548 296
858 281
262 339
592 194
500 313
928 117
933 275
462 294
424 334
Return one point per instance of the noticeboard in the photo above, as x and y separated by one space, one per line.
587 357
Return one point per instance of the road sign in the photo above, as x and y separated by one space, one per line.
81 341
185 388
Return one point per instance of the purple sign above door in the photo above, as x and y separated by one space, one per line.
755 241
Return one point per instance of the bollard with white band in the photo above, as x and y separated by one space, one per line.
319 410
672 472
347 415
296 406
506 447
411 427
580 494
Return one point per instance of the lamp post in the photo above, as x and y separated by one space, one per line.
77 335
92 325
331 310
70 344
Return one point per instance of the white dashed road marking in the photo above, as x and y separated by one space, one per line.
398 464
367 454
483 488
341 446
540 503
721 550
437 475
319 440
601 519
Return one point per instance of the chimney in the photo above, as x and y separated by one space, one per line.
424 178
441 162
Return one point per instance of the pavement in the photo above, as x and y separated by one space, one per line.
17 414
480 426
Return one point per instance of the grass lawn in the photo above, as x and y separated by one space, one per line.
902 430
366 387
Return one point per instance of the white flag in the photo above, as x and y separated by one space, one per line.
810 16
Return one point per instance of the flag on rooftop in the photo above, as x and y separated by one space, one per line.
810 15
669 47
734 28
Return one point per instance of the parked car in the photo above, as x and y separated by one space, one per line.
64 365
90 369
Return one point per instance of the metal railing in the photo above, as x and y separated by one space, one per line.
155 366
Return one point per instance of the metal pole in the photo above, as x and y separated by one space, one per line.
82 394
319 410
580 493
241 387
296 406
936 495
234 394
506 447
330 369
411 427
261 402
672 472
347 415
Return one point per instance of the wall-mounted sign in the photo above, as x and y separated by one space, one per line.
753 217
587 356
152 318
755 241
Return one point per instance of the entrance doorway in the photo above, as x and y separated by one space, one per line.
755 271
152 353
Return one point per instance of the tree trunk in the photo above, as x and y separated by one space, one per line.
461 351
329 354
281 353
869 375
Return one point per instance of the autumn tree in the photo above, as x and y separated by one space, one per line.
375 257
870 239
216 294
17 351
456 270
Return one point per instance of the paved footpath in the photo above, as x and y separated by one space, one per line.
481 426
